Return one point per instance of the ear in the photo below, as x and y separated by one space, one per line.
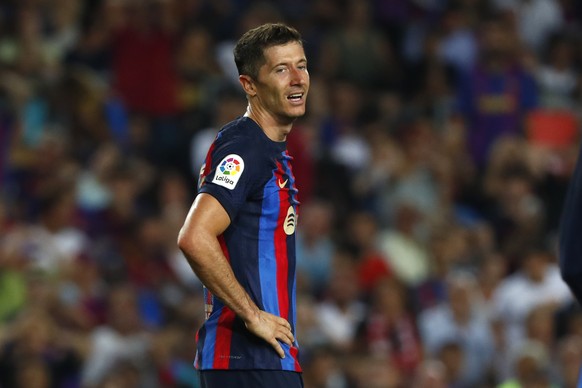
248 85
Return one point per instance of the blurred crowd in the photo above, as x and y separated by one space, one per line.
432 167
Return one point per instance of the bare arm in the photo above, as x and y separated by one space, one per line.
198 240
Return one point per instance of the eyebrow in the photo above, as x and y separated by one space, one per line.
302 60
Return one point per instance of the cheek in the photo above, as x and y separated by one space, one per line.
277 94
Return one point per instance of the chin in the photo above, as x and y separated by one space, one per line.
296 113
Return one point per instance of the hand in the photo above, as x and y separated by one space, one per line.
271 328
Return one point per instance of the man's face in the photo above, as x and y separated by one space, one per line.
283 82
535 266
497 39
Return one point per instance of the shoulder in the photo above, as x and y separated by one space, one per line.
234 133
510 286
239 152
240 136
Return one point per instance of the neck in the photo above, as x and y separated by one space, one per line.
273 128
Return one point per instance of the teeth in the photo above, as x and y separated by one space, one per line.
295 95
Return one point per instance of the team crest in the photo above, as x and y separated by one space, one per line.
229 171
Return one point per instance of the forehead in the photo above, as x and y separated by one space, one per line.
287 53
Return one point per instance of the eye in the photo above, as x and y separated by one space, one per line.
280 69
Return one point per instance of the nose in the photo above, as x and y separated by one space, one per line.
298 76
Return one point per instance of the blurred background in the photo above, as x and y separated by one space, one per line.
432 165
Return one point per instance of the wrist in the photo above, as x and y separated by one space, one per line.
252 316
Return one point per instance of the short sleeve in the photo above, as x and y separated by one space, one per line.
229 173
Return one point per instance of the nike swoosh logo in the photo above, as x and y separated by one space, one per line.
282 184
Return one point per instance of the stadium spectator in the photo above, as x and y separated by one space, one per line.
458 326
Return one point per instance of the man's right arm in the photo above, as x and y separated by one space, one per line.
571 234
198 240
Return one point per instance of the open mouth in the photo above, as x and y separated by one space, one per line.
295 97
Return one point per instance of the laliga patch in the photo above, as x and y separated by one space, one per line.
229 171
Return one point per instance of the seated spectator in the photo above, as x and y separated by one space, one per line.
389 331
491 272
324 369
458 321
535 20
400 245
516 211
81 296
357 49
37 353
494 96
315 248
361 238
556 76
530 367
341 311
55 241
373 371
537 282
121 339
308 324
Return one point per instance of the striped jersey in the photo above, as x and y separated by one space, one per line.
250 175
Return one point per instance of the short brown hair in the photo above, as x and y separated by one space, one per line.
249 50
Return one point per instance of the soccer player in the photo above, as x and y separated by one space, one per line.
570 238
239 236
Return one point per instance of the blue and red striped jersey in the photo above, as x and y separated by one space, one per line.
251 176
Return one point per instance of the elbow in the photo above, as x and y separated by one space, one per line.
191 243
182 241
186 242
